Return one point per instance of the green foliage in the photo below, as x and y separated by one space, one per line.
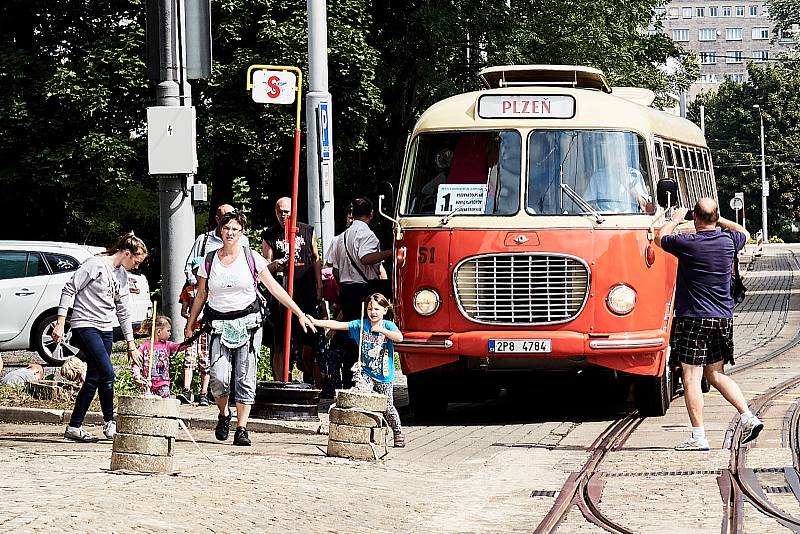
264 368
733 134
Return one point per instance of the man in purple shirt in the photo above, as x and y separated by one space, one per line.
703 331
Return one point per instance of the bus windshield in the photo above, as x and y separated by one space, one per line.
608 169
463 173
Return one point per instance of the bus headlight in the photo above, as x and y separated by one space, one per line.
621 299
426 302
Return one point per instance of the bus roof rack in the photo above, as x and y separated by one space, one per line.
544 75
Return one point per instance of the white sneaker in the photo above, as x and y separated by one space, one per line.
79 434
693 444
110 429
751 428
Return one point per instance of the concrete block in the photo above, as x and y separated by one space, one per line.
373 402
141 463
147 406
351 434
152 445
342 416
355 451
148 426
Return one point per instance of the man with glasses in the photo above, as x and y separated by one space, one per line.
307 287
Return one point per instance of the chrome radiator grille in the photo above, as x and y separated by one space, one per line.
521 288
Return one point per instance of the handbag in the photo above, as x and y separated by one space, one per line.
738 289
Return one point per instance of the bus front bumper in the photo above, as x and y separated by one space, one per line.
633 352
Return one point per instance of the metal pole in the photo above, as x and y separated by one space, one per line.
764 185
320 173
175 206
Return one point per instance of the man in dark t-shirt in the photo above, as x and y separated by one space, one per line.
703 326
307 286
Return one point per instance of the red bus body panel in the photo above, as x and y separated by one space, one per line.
613 255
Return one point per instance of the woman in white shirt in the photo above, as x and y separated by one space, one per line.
227 279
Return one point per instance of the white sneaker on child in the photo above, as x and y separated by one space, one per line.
751 428
693 444
110 429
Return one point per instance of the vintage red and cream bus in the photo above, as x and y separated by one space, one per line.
524 234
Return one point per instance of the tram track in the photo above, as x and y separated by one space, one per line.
583 488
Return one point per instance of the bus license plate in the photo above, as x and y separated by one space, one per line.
520 346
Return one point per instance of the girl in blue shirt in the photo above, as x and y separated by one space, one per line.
376 336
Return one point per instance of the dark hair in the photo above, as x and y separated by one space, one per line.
127 242
362 207
380 300
234 215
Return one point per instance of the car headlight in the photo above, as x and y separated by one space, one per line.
621 299
426 302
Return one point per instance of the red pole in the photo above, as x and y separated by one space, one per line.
291 230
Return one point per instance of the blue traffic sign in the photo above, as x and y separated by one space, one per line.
324 133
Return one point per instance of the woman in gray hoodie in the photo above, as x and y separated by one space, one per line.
96 292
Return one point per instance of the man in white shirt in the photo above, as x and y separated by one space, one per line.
357 259
209 241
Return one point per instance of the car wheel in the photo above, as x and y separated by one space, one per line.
52 353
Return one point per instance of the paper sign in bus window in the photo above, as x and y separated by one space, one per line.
460 198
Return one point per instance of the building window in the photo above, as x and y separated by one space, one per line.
753 11
726 11
708 34
760 33
680 35
733 56
765 11
686 12
708 78
700 12
713 11
673 12
708 58
661 11
737 77
740 11
760 56
733 34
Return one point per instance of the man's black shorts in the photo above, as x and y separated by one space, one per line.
702 340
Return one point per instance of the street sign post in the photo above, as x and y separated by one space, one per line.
271 84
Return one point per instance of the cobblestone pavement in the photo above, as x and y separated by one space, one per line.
476 474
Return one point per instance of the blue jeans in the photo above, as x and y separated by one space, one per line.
96 346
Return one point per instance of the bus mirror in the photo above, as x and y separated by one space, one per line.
667 193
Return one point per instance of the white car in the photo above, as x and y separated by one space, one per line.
32 275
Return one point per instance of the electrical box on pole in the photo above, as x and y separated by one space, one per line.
171 140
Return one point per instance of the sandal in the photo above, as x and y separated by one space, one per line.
399 440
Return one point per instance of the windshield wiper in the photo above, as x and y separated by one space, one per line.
444 220
582 203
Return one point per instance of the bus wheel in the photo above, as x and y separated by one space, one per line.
652 394
427 397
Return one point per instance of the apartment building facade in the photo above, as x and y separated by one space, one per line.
725 35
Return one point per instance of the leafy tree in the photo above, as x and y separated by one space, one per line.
733 133
785 13
72 96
